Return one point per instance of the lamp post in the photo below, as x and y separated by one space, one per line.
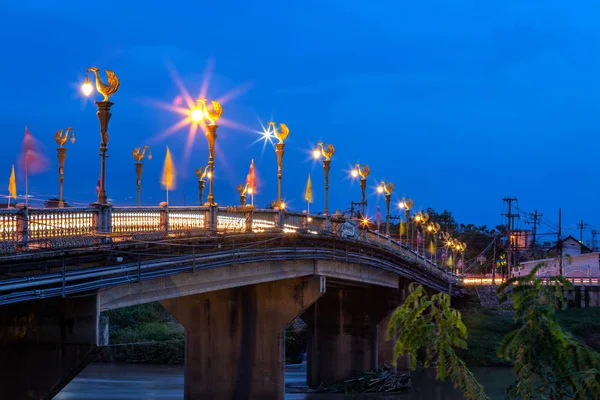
432 229
406 205
104 115
138 156
201 174
327 154
388 189
421 219
363 173
62 156
199 114
281 135
242 189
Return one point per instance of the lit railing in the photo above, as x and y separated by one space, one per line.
133 220
187 218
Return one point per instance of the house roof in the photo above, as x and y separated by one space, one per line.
583 246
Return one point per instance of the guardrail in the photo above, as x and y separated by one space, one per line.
27 229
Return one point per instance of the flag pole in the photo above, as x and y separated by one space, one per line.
27 178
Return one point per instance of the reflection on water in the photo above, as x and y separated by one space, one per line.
153 382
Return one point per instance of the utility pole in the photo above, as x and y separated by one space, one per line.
512 245
581 226
594 242
494 263
560 246
536 221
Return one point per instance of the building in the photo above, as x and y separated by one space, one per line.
521 239
579 261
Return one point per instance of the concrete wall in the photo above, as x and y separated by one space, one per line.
583 297
44 344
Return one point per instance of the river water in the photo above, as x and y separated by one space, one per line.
105 381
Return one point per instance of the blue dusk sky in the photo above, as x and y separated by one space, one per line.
458 103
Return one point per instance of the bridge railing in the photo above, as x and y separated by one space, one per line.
386 241
30 228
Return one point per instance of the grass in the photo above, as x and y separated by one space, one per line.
485 328
584 324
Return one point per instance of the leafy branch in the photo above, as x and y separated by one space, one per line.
429 330
549 362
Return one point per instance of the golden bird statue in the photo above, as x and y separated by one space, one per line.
282 134
445 236
201 174
364 172
242 189
61 140
213 115
388 188
104 89
139 156
327 153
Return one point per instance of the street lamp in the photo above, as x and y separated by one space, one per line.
201 174
62 156
198 115
104 115
138 156
421 219
327 154
281 136
432 229
388 189
363 173
406 205
242 190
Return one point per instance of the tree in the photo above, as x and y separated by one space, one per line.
429 330
549 362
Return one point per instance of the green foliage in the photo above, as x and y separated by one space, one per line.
145 333
549 362
429 330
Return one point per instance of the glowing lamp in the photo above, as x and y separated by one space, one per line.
309 219
401 205
316 154
209 174
197 115
250 190
87 87
379 189
282 205
354 173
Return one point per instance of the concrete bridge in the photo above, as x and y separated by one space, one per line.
233 277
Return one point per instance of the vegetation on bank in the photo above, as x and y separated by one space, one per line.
145 334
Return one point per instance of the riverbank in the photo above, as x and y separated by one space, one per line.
147 334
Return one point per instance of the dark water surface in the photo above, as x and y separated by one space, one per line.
153 382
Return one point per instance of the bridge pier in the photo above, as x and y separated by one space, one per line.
44 344
343 332
234 338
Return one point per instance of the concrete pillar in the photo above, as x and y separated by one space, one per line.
234 341
44 344
385 348
342 333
